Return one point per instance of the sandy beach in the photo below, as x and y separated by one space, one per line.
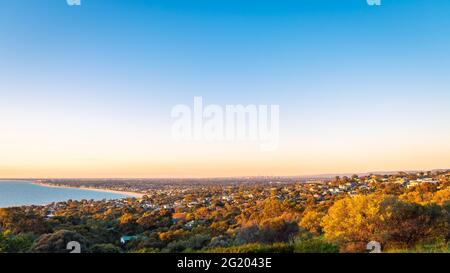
128 193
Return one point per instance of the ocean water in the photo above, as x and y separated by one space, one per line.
18 193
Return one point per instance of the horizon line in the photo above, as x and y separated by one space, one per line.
234 177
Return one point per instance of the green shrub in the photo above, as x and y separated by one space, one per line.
146 250
255 248
314 245
105 248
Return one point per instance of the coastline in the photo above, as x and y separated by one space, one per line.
127 193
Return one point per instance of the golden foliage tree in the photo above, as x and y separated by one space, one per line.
355 221
312 220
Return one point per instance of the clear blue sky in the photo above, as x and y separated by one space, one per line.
339 69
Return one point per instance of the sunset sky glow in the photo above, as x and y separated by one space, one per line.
87 91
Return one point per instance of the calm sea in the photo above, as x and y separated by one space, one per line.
17 193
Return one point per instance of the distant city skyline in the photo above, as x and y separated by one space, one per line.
87 91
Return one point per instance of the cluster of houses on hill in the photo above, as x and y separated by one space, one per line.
182 200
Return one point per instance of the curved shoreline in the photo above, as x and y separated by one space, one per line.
127 193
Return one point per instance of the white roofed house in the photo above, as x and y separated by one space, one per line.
50 214
421 181
334 190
